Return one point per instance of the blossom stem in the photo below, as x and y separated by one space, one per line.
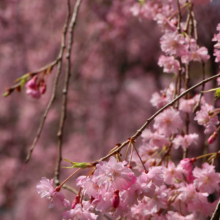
126 155
68 178
205 155
132 148
139 157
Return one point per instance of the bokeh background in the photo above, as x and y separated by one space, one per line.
114 74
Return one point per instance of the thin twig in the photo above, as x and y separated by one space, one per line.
139 157
139 132
65 90
203 88
179 17
189 30
70 189
53 96
216 213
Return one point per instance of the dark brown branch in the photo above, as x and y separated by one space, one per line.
179 17
65 90
203 88
53 96
138 133
216 213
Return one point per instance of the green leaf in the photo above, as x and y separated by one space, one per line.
141 2
217 93
23 81
6 94
78 165
22 77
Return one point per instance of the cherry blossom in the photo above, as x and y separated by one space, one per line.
168 122
204 117
172 173
78 213
114 174
170 64
194 53
173 44
155 139
206 179
46 189
212 138
185 140
33 88
187 105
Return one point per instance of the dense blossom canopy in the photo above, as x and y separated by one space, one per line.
122 64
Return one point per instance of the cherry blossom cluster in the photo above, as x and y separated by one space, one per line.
160 193
151 184
217 45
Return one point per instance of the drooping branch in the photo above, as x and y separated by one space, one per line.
139 132
53 96
65 89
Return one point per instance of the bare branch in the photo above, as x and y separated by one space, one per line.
53 96
70 189
65 90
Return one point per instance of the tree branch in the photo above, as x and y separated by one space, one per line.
138 133
65 90
53 96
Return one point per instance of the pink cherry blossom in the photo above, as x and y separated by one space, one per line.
212 138
195 53
46 189
218 80
206 179
168 122
158 100
174 215
203 117
173 43
156 175
196 201
187 105
155 139
185 141
33 88
170 64
186 163
172 173
114 174
217 55
159 200
165 96
187 166
89 185
78 213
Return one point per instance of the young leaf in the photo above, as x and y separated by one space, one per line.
217 93
78 165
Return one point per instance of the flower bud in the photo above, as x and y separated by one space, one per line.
43 89
116 199
212 138
76 201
